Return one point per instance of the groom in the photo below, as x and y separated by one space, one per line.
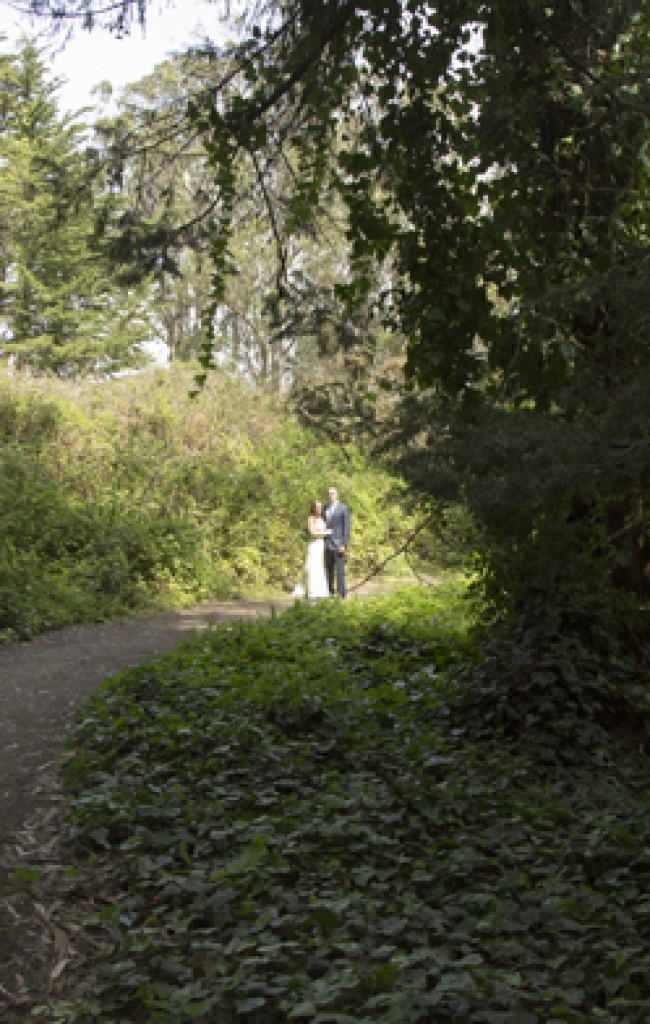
337 518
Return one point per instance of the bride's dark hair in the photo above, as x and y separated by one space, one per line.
313 511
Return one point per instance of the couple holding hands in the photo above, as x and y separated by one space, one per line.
328 533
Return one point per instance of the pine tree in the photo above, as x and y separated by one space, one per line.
57 308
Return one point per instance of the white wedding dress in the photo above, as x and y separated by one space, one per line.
315 567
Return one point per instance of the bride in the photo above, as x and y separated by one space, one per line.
315 562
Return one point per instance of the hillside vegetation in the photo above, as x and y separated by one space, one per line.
131 494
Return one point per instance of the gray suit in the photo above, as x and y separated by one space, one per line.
338 521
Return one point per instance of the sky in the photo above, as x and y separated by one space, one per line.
91 57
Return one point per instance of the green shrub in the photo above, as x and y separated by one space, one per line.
128 494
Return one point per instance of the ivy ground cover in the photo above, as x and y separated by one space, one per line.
297 824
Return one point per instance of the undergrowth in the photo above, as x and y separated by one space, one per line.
127 494
295 820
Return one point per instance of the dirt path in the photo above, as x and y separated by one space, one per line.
43 681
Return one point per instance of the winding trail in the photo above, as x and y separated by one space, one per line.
43 681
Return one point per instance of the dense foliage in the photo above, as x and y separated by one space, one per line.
127 493
493 157
307 820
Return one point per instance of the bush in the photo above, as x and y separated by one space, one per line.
128 494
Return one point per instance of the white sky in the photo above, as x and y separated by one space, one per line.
92 57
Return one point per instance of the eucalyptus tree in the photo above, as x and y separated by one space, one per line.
155 217
153 203
155 214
